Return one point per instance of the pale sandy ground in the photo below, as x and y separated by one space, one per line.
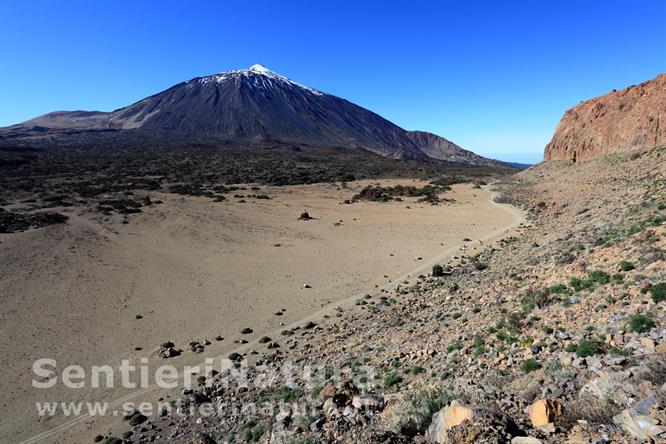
196 269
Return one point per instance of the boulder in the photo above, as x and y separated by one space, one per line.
453 415
544 411
459 423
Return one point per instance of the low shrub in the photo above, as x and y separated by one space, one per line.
640 323
626 266
417 370
530 365
416 415
588 347
658 292
600 277
391 380
581 284
479 347
437 270
558 289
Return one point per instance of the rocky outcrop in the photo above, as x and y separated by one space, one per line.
438 147
623 120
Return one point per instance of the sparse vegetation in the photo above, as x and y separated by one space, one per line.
581 284
640 323
600 277
658 292
120 164
417 370
592 410
529 366
377 193
11 222
391 380
437 270
626 266
479 346
419 407
588 347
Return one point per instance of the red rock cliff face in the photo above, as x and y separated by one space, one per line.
619 121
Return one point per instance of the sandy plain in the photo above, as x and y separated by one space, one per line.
194 269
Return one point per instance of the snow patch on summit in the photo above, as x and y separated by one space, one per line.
253 71
260 69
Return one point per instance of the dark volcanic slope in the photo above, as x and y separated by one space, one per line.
247 106
440 148
259 104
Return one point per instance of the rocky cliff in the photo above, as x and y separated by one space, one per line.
623 120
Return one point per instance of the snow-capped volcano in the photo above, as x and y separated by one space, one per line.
260 75
248 106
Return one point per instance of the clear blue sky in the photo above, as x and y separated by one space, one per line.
494 77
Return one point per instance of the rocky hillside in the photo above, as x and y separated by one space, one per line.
440 148
623 120
554 333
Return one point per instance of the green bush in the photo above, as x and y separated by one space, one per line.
558 289
581 284
254 434
640 323
658 292
617 279
437 270
417 370
587 347
534 299
530 365
479 347
453 347
600 277
626 266
527 302
392 380
136 419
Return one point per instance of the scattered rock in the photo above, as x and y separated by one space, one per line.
544 411
525 440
